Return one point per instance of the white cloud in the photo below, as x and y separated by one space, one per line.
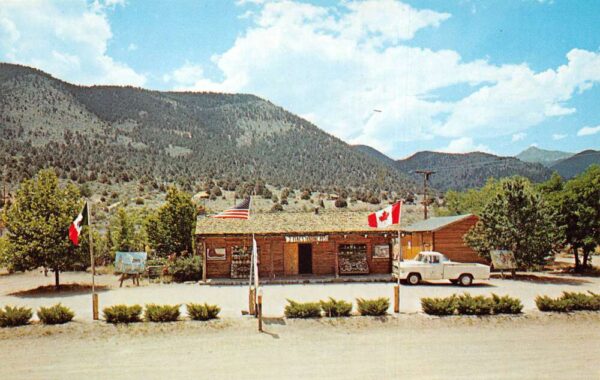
340 63
588 131
186 75
132 47
519 136
67 39
465 145
558 136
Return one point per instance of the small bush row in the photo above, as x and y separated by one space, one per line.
159 313
569 301
336 308
466 304
19 316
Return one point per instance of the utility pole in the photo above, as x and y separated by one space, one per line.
426 175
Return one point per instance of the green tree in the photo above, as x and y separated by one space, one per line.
170 229
577 212
471 201
127 232
518 219
38 223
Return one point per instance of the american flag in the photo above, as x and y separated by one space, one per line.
241 211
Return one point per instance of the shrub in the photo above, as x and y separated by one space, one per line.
14 316
375 307
161 313
139 201
185 269
341 203
199 312
469 305
569 301
506 305
336 308
439 306
302 310
122 314
55 315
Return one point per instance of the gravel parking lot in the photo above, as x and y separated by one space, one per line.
234 299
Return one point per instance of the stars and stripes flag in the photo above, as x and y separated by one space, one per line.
241 211
387 216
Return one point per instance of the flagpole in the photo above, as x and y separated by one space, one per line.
93 264
397 290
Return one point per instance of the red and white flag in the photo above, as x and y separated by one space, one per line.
386 217
77 225
241 211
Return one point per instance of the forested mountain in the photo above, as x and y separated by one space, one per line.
542 156
119 134
376 154
461 171
577 164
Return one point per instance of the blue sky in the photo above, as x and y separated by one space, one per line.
452 76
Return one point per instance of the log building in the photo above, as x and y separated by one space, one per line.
300 243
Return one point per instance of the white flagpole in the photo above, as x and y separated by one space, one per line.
92 263
397 303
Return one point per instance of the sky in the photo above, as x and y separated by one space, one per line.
401 76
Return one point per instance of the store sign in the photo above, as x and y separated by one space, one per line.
306 239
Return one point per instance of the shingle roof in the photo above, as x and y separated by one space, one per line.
290 222
434 224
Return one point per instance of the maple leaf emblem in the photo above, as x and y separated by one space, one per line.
384 216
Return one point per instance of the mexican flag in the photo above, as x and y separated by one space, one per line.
77 225
386 217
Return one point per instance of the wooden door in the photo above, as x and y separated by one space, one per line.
290 259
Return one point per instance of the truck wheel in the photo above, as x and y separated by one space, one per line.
413 279
465 280
454 282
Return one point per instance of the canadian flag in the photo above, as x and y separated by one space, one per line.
386 217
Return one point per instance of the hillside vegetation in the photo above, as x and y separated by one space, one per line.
122 134
469 170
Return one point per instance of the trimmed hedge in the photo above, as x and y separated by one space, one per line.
373 307
439 306
336 308
302 310
122 314
55 315
161 313
12 316
202 312
469 305
465 304
569 301
506 305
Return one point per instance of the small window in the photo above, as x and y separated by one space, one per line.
216 254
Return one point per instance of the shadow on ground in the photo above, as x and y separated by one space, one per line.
65 290
541 279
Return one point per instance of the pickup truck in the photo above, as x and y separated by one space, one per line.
429 265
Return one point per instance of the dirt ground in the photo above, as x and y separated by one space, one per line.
234 299
533 346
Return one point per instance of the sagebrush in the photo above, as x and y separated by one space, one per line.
478 305
506 305
439 306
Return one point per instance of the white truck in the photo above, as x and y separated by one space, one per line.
429 265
